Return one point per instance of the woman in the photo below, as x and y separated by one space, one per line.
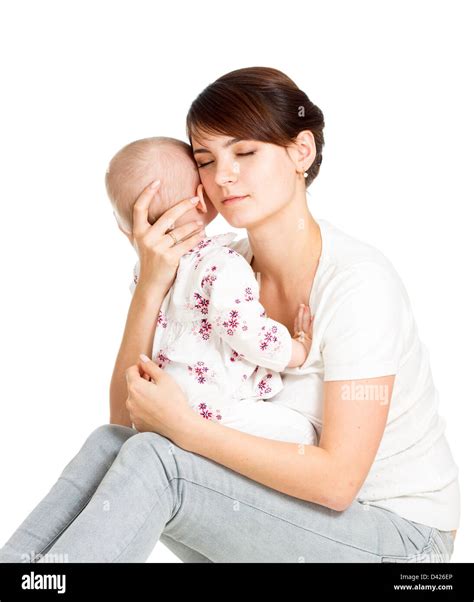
381 486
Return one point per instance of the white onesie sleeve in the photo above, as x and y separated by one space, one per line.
228 294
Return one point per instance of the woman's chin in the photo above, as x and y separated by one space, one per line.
237 222
239 218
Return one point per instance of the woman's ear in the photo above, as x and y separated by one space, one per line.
202 203
303 150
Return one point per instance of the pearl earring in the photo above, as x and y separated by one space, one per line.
305 174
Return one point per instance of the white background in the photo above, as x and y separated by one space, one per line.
81 79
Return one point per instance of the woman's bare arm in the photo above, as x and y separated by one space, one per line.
296 469
137 338
331 474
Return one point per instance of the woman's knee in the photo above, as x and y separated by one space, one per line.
110 436
149 446
148 440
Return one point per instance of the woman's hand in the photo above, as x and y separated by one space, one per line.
158 254
156 403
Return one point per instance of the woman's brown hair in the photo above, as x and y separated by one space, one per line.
257 103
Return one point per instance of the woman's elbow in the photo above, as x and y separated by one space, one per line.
338 502
339 499
347 496
342 503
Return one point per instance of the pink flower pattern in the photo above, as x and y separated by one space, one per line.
263 386
232 322
201 303
205 329
236 357
203 244
161 359
269 337
200 372
206 412
248 294
196 251
161 320
209 279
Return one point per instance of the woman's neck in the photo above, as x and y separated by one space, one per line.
286 248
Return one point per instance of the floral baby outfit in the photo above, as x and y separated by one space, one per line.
213 337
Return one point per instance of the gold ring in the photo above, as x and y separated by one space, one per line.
173 237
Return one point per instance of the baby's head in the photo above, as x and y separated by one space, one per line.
141 162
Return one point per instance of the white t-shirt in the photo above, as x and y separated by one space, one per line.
364 328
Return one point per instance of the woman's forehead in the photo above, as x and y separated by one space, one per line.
202 139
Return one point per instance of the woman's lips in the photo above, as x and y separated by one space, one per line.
234 199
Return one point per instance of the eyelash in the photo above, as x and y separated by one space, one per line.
238 154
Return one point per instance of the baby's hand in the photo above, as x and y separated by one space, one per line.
303 326
302 338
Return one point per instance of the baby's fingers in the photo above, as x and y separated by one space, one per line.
295 325
299 319
306 319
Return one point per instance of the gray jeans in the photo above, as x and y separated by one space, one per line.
124 491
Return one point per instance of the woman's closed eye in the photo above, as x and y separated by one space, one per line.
238 155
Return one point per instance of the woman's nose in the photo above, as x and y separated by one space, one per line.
227 173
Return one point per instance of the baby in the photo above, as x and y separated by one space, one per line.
212 333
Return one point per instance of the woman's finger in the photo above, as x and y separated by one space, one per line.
169 217
150 369
140 209
184 232
186 245
132 373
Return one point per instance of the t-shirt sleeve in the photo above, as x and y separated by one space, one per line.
229 299
365 335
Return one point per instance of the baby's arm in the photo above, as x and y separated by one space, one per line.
229 297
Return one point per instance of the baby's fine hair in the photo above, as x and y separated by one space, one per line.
141 162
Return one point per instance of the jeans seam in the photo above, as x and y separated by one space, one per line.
49 544
426 548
